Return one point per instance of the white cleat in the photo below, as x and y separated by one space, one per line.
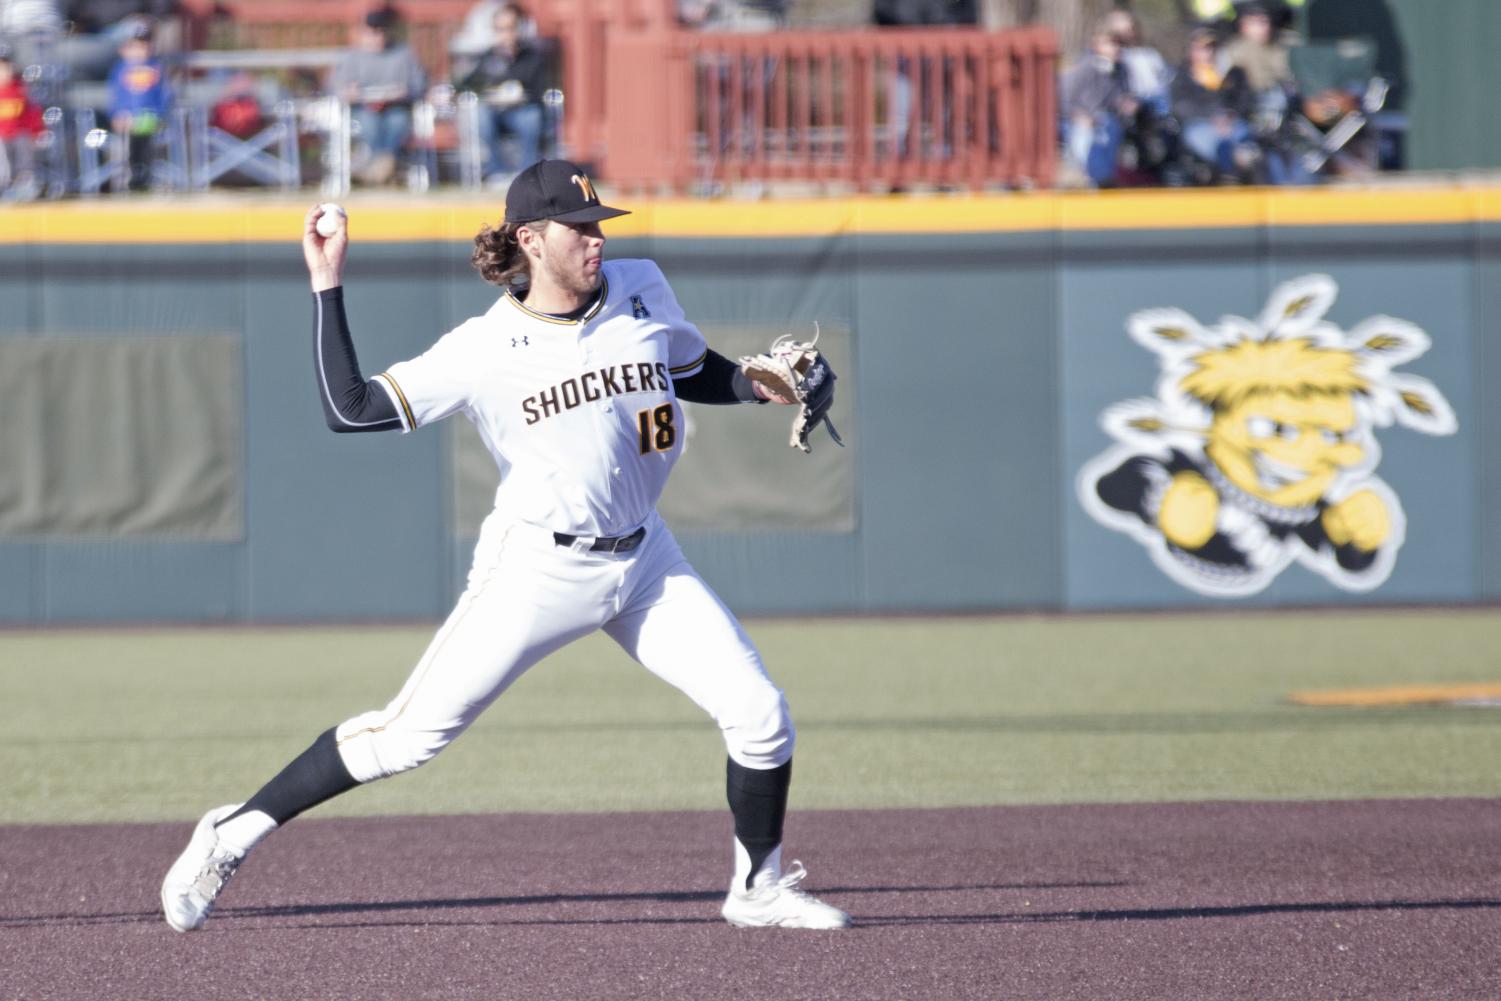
199 874
776 902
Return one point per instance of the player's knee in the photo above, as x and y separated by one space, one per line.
414 749
373 753
760 733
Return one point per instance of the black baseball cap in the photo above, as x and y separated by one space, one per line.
555 189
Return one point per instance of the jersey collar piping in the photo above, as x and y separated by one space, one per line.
599 304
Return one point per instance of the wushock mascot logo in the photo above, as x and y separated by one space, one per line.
1260 449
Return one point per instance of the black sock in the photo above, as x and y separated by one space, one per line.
314 776
758 801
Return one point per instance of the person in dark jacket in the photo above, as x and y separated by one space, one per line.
510 79
1210 106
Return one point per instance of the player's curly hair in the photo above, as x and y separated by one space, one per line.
497 254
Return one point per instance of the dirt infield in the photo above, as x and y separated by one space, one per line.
1383 899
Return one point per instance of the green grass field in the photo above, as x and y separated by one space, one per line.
159 724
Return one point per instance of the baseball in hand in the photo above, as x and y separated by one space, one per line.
332 218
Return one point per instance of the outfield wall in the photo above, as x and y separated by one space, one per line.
166 457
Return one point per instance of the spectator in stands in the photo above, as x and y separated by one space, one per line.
100 27
510 80
1256 50
238 109
1096 104
1256 60
477 34
1146 73
380 78
474 38
1211 125
20 128
140 97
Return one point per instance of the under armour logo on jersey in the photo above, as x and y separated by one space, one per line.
638 308
517 342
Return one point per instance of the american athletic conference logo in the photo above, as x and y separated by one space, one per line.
1259 448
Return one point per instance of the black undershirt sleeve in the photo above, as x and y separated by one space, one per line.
350 403
715 382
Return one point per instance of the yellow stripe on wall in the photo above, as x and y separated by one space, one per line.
380 218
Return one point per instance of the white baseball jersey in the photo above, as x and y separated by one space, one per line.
579 414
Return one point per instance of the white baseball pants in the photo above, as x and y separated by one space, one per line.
527 597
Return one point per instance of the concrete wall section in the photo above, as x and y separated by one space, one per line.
979 367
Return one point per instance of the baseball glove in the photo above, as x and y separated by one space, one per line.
794 370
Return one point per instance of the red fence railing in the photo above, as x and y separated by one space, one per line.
889 108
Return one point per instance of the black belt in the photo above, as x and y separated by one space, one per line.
619 544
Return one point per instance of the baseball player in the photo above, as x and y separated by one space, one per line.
573 379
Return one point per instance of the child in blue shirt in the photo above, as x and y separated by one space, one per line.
139 96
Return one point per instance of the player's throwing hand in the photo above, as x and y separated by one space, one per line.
324 254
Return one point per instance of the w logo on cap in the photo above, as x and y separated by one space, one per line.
586 186
555 189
